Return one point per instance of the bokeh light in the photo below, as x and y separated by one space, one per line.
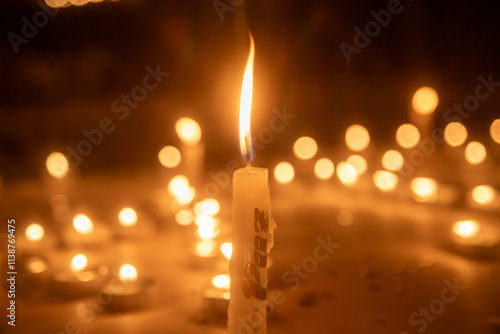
169 157
495 130
127 217
347 173
385 181
455 134
425 100
483 195
407 136
188 130
305 148
358 162
184 217
284 172
179 188
208 206
345 218
324 169
83 224
127 273
207 226
34 232
424 189
466 228
392 160
222 282
57 165
78 262
206 248
357 137
475 153
36 264
227 249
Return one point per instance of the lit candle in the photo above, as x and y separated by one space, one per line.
84 232
252 228
129 225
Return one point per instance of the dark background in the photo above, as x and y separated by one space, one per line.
64 80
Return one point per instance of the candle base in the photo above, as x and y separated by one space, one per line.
130 296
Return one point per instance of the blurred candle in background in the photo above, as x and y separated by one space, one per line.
192 149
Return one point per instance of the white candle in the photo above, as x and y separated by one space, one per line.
252 229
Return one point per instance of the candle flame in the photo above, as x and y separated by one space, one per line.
246 106
127 273
78 263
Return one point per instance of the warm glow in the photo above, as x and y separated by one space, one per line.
184 217
246 106
36 265
407 136
127 273
425 100
208 206
358 162
347 173
127 217
475 153
207 227
34 232
455 134
305 148
384 180
179 188
357 137
169 157
483 194
345 218
78 262
188 130
393 160
83 224
324 169
284 172
57 165
466 228
222 282
495 130
227 249
424 189
206 248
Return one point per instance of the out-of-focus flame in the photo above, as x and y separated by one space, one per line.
227 249
78 263
284 172
127 273
222 282
127 217
466 228
83 224
188 130
246 149
34 232
57 165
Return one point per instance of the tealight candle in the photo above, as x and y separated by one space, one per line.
216 297
129 225
85 232
252 227
473 238
77 282
128 291
35 239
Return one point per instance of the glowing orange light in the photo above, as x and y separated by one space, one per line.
206 248
466 228
305 148
475 153
357 137
222 282
483 194
208 206
169 157
392 160
324 169
188 130
227 249
78 262
425 100
495 130
246 107
424 189
83 224
358 162
455 134
284 172
385 181
34 232
127 217
407 136
57 165
184 217
347 173
127 273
